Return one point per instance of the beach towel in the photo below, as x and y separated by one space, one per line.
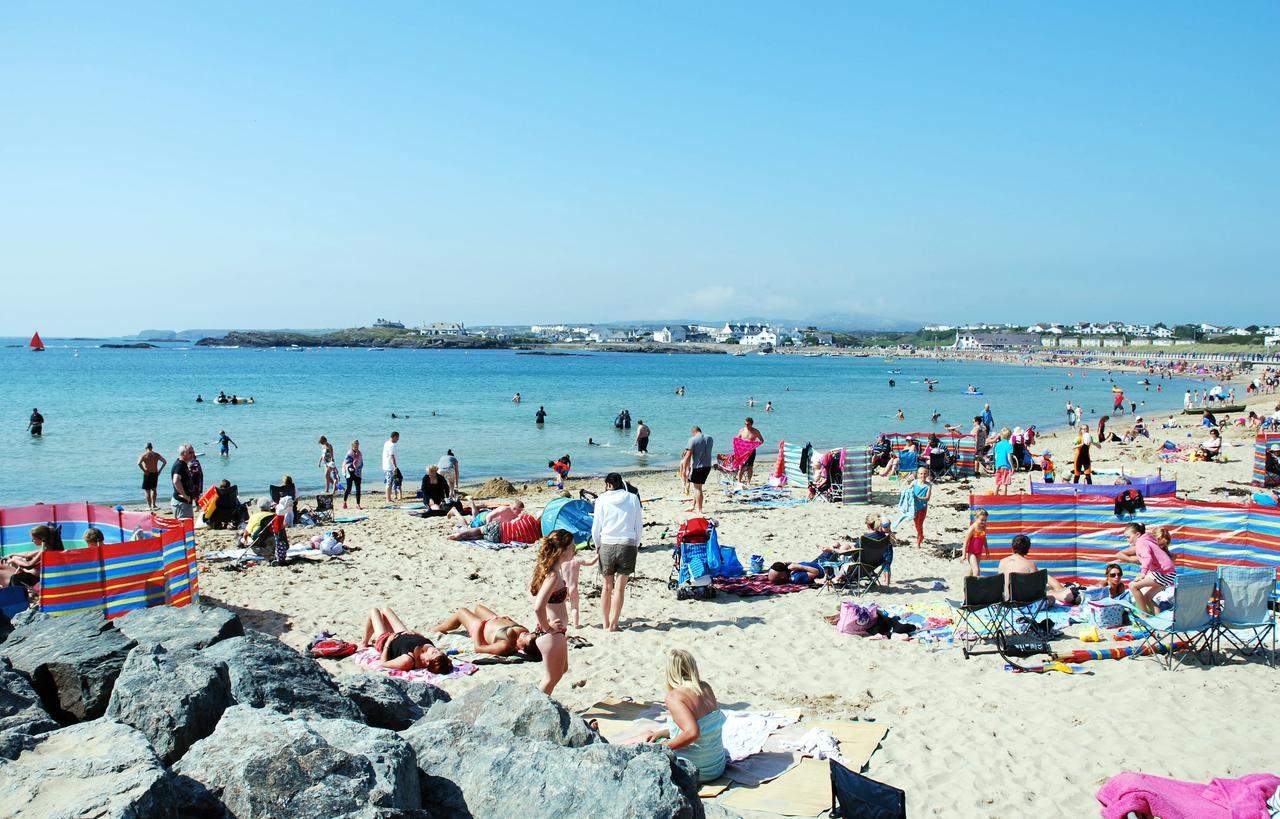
370 660
351 519
755 585
497 547
741 451
1146 795
745 732
906 507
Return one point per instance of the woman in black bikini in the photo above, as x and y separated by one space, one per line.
400 648
493 633
549 594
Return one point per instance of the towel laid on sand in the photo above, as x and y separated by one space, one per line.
1146 795
755 585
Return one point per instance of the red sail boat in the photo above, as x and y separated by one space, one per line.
36 344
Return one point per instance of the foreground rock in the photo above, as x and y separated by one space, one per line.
469 771
518 709
101 769
20 712
259 763
173 697
387 702
71 661
195 626
266 673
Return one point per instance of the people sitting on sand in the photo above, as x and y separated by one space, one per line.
549 595
1150 550
800 574
877 533
24 568
695 722
437 496
1271 466
523 528
1019 563
258 523
492 633
400 648
881 452
1210 448
1112 580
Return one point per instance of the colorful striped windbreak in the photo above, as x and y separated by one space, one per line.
964 447
855 470
144 561
1260 445
1075 537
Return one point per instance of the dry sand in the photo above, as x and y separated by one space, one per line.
965 737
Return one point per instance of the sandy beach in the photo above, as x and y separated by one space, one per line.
965 738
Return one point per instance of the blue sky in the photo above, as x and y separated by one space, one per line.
323 164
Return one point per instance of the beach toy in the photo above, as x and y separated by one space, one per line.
1091 635
757 564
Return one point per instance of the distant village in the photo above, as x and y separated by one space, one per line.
972 337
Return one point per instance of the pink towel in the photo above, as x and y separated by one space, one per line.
370 660
1146 795
741 450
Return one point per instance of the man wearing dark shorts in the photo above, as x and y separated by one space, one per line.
642 437
697 464
749 433
184 493
616 525
151 463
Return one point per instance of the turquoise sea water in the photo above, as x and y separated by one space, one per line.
102 406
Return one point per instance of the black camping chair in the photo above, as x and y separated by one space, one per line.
226 512
278 492
854 796
1028 603
941 464
863 575
979 613
324 509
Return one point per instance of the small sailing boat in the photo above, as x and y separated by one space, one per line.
37 346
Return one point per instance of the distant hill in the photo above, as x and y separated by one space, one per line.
196 335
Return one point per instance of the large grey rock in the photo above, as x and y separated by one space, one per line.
387 702
470 771
519 708
266 673
101 769
174 697
260 763
20 712
195 626
72 662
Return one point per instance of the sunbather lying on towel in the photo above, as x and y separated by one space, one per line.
799 574
523 528
493 633
402 649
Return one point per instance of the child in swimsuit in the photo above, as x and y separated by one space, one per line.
569 572
975 544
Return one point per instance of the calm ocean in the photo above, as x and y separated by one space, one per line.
101 406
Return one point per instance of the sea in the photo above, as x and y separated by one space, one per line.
101 406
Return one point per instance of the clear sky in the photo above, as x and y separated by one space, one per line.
317 164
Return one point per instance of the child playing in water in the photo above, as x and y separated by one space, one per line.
569 572
975 543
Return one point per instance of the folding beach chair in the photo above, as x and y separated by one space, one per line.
862 574
979 614
731 463
1027 602
1188 627
324 509
854 796
1245 617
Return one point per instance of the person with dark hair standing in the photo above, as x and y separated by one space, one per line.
617 524
36 424
450 469
696 464
353 466
540 417
151 463
642 437
184 492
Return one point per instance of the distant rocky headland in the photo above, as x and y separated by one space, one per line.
357 337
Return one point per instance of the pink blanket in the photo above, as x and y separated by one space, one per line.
755 586
1146 795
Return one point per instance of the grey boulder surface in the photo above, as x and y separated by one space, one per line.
266 673
20 712
261 763
72 661
101 769
485 773
519 709
194 626
173 697
387 702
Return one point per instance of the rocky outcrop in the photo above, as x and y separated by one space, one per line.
20 713
259 763
71 661
470 771
195 626
387 702
174 697
266 673
518 709
102 769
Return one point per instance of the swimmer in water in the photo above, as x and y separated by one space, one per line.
751 401
901 417
936 416
515 399
768 406
591 443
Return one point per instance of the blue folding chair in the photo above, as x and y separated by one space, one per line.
1245 618
1190 620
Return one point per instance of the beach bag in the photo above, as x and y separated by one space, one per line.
1099 615
1129 502
857 619
333 649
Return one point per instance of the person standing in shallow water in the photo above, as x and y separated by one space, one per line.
151 463
540 417
642 437
36 424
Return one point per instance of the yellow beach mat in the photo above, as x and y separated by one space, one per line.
805 790
617 718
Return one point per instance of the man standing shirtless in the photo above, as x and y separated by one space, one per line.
151 463
751 434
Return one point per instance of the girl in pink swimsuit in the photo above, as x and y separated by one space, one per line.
975 543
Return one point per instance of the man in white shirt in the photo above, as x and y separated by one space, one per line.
390 463
616 527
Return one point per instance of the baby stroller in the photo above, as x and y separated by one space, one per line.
691 571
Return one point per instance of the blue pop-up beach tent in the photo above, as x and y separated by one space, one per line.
573 516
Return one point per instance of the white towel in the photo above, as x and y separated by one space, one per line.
745 732
818 744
